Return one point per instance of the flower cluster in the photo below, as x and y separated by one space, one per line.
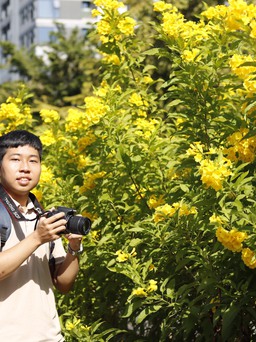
79 120
145 127
244 67
85 141
166 211
48 138
89 180
105 89
49 115
144 291
112 26
240 148
249 258
214 172
175 26
237 16
14 114
123 256
155 202
232 239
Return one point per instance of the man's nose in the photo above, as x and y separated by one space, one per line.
24 166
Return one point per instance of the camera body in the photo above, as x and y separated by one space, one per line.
75 224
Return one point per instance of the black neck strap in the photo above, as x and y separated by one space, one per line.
12 208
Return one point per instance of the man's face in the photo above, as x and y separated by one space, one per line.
20 171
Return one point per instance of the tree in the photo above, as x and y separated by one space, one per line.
61 74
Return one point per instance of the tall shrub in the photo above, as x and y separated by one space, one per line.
168 178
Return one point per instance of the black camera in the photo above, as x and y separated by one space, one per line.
75 224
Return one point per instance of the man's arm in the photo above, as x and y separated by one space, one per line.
47 230
66 272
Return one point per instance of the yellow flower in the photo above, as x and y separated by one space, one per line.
147 79
89 180
109 4
215 219
95 234
49 116
152 285
95 13
85 141
103 27
83 161
47 176
155 202
9 111
73 120
214 172
166 211
47 138
126 26
232 239
253 29
121 256
139 292
196 150
70 325
95 108
240 148
136 99
161 6
173 23
190 55
215 12
249 258
145 127
112 59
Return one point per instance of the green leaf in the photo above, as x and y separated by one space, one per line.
146 312
229 320
132 307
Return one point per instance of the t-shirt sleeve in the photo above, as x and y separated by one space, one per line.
59 252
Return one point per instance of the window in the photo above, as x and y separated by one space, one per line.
27 13
45 9
28 38
86 5
5 34
5 9
43 34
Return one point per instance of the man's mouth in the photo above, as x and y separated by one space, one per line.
23 180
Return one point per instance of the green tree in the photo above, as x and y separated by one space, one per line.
61 75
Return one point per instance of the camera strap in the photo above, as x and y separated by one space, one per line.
13 209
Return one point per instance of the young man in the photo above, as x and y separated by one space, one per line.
27 305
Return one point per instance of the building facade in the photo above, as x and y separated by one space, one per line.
27 22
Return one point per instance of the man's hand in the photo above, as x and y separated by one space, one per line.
49 228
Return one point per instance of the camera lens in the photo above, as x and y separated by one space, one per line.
79 225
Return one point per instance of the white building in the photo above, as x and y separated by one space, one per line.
27 22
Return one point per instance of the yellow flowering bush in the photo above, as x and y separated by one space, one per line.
164 164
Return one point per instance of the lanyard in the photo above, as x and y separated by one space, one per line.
12 208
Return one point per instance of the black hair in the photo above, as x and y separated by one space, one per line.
18 138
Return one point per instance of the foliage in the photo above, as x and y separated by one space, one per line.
59 74
167 177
